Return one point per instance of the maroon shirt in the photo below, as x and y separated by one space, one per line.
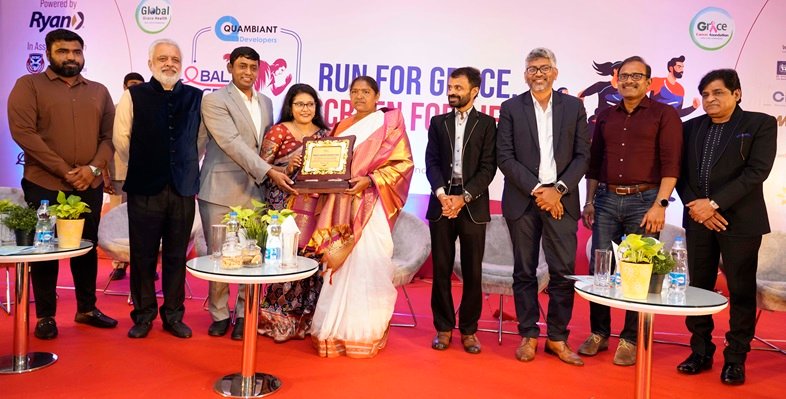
641 147
60 127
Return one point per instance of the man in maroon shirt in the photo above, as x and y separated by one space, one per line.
634 165
63 122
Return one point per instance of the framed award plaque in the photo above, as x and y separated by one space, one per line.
326 165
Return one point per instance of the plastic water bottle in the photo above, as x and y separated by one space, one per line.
273 250
617 275
678 278
44 229
233 226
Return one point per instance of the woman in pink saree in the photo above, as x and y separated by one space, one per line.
353 231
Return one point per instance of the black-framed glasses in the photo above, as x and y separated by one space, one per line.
300 105
632 76
544 69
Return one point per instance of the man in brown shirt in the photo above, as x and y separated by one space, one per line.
634 165
63 122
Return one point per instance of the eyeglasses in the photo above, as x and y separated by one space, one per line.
544 69
632 76
300 105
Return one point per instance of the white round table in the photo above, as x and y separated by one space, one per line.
248 383
696 302
22 361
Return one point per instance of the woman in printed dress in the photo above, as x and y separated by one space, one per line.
287 308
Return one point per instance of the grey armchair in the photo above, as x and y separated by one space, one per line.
497 268
411 247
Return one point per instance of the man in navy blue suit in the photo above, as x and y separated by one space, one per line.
543 151
157 129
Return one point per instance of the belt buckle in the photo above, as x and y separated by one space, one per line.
622 190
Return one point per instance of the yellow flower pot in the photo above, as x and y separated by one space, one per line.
635 279
69 233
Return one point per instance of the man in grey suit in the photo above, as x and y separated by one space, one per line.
543 151
236 118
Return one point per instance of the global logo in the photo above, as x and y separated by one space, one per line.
35 63
712 28
229 29
153 16
40 21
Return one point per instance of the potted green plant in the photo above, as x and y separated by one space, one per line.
661 266
22 220
70 223
637 255
255 220
6 234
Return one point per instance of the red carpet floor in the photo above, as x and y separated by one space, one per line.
96 363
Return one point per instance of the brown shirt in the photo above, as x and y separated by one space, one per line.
641 147
60 127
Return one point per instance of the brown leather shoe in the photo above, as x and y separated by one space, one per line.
526 350
471 343
442 340
626 353
594 344
563 351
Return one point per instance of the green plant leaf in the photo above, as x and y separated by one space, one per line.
70 207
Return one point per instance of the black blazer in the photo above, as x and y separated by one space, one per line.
747 152
518 150
478 161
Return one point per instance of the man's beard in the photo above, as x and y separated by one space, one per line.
458 101
166 80
67 69
677 75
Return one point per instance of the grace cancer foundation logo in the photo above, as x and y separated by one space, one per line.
153 16
712 28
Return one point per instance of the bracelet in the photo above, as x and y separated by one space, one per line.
589 203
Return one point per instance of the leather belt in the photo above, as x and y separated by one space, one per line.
631 189
456 181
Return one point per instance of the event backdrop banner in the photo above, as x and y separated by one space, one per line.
410 48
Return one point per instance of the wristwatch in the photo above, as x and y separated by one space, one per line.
663 202
467 196
96 171
561 187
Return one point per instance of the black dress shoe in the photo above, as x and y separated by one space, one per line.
140 330
95 319
46 328
218 328
237 330
178 329
733 373
695 364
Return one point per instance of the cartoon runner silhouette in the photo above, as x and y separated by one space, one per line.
670 92
608 95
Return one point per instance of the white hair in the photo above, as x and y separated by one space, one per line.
155 44
542 52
